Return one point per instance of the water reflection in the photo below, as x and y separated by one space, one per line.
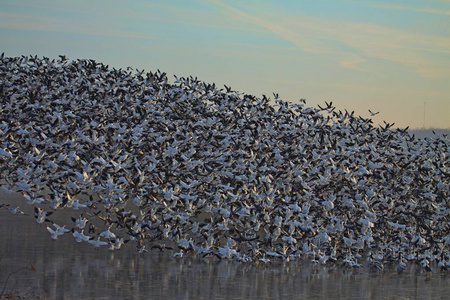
68 270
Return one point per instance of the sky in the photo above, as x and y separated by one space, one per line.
387 56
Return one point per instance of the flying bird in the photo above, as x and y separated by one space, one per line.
373 113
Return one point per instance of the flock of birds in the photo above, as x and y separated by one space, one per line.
189 167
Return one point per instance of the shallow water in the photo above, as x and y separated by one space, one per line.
64 269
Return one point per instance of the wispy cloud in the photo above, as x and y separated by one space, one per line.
277 29
302 36
23 21
185 16
352 63
427 10
362 42
378 42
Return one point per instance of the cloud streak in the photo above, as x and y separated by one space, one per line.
365 42
426 10
276 29
303 37
353 62
22 21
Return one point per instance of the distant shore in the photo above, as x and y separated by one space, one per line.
428 132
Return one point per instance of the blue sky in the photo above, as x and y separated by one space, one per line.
387 56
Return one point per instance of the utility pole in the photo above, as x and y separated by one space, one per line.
424 109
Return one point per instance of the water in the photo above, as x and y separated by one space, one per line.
64 269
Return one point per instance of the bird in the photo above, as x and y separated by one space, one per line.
41 215
80 236
57 232
215 172
373 113
80 222
16 211
161 247
97 243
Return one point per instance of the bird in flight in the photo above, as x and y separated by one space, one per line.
373 113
